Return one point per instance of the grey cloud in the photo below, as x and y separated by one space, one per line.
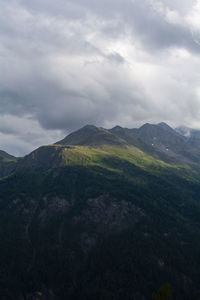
139 16
180 5
155 32
66 64
115 57
151 29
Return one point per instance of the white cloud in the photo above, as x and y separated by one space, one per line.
193 19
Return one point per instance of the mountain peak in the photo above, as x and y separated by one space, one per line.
157 127
91 135
117 127
162 125
147 126
90 127
165 126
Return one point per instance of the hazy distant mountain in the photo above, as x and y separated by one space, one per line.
183 130
102 214
192 135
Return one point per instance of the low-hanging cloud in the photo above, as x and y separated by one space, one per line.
69 63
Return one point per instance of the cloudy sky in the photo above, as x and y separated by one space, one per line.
67 63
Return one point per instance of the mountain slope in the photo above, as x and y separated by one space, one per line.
5 155
100 220
7 163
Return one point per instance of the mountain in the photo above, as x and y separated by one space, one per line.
7 163
90 135
183 130
163 142
102 214
4 155
194 139
161 136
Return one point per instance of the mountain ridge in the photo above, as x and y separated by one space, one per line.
91 135
102 214
158 140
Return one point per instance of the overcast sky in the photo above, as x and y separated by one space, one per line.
68 63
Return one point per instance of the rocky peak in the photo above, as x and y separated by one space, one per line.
90 135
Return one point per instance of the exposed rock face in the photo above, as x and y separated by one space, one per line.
52 205
100 217
103 216
39 295
109 214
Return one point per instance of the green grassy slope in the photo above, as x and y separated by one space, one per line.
114 157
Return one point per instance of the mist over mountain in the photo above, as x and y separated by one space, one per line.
102 214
